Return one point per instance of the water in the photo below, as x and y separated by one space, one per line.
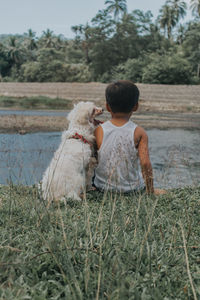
33 113
174 155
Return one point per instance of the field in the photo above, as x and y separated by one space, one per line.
160 106
34 102
107 247
155 97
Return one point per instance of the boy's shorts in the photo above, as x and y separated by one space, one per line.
136 191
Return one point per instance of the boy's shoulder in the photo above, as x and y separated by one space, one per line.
140 131
140 134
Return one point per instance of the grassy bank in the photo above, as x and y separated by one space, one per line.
107 247
37 102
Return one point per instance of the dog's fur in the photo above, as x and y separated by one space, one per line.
66 176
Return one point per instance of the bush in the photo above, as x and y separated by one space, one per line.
29 71
54 71
167 69
132 69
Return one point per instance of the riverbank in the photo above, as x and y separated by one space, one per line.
160 106
26 124
108 246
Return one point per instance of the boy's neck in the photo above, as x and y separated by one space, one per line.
119 119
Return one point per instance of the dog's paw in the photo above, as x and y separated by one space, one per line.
73 196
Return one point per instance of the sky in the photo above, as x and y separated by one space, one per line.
17 16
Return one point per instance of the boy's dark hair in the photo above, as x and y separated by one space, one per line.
122 96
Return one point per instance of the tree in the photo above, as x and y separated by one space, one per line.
16 54
83 34
4 62
167 19
117 7
170 68
132 69
31 40
191 46
170 14
126 42
180 34
142 20
195 7
178 7
47 39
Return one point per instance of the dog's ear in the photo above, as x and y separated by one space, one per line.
83 117
85 113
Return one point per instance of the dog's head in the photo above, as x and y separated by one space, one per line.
85 113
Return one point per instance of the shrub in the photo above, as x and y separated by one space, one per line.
167 69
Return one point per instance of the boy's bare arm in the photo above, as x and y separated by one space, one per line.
141 142
99 136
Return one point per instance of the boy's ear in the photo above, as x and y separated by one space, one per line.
108 107
135 107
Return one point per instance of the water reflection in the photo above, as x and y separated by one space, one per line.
174 155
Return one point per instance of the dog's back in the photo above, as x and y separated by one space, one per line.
65 175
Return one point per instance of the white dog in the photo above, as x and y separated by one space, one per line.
66 176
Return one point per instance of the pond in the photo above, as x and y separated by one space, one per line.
174 155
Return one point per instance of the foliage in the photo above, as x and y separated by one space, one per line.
4 62
167 69
106 46
116 6
37 102
191 45
109 246
170 14
132 69
195 6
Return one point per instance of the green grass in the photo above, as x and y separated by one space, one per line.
107 247
37 102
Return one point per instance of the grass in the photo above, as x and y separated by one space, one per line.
107 247
37 102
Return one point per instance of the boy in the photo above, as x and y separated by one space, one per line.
123 156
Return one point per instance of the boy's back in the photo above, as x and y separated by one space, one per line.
119 166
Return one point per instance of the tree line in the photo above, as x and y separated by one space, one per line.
115 44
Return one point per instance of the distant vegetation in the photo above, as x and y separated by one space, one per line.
115 44
36 102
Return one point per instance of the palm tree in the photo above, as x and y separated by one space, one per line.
167 19
116 6
83 32
31 40
195 7
179 7
15 53
170 14
48 38
181 34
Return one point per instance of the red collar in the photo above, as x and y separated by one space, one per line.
80 137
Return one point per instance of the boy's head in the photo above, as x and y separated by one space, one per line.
122 96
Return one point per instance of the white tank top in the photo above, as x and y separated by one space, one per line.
118 162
